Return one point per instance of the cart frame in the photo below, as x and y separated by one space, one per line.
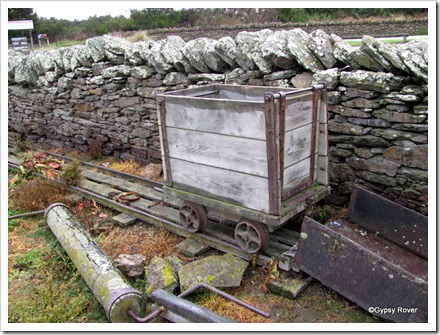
284 202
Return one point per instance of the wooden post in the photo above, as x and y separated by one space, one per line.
31 40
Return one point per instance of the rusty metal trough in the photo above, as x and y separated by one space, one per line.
377 257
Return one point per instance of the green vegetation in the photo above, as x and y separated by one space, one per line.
332 14
43 284
71 173
60 44
152 18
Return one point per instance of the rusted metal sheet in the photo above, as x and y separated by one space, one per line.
392 221
376 274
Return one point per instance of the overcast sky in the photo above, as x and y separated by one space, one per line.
81 10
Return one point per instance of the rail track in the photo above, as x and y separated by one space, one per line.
98 182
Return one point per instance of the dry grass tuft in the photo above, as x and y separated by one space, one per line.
130 166
38 194
140 239
152 172
139 36
94 149
231 310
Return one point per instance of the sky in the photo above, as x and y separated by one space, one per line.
81 10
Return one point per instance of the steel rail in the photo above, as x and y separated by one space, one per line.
144 181
211 240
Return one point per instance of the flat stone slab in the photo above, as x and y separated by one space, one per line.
123 220
160 275
191 247
289 286
218 271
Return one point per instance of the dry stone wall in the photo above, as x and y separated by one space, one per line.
103 94
344 29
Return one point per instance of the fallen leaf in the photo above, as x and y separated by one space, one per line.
54 165
51 173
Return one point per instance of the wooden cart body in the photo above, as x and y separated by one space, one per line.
249 151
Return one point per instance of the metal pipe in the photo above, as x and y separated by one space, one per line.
148 318
303 90
26 214
225 295
183 307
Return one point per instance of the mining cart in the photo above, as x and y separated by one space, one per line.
254 155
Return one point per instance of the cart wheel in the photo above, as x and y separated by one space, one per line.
252 236
193 217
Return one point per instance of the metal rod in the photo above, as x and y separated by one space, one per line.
148 318
26 214
304 90
192 290
198 286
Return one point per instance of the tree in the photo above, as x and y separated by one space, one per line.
16 14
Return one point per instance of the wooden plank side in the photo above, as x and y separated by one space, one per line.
322 107
296 174
322 139
232 187
235 118
321 171
227 152
297 145
299 111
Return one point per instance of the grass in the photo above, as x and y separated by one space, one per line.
71 173
57 45
231 310
42 280
43 284
130 166
138 36
357 43
38 194
317 304
146 240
